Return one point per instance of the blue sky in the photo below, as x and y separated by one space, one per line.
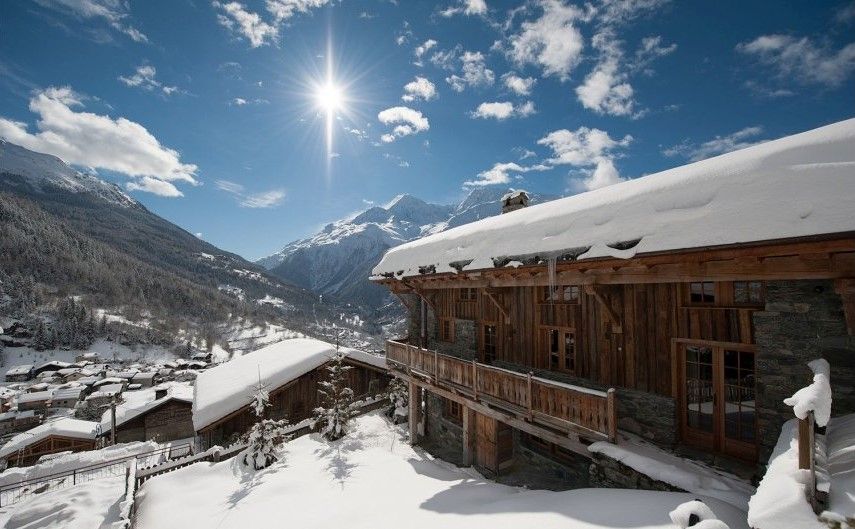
207 112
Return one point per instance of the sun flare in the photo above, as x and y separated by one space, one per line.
329 97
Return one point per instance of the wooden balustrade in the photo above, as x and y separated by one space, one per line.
538 400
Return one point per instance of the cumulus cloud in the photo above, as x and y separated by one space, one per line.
247 24
587 149
148 184
552 42
282 10
802 59
519 85
613 12
474 72
405 120
719 145
422 49
419 88
98 141
466 7
264 199
145 77
115 13
503 110
500 173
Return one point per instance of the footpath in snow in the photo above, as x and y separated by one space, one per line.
372 479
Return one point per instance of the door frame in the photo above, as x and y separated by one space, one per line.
716 441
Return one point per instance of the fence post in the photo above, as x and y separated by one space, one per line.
436 368
74 477
611 412
529 397
807 455
475 380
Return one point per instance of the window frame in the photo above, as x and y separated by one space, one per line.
441 330
453 411
687 294
749 303
562 353
467 295
495 344
544 295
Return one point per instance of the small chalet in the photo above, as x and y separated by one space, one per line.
681 308
290 371
154 414
67 397
60 435
20 373
37 401
17 421
51 366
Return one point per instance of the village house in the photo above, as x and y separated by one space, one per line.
17 421
67 397
146 379
290 371
20 373
155 414
52 366
60 435
38 401
680 308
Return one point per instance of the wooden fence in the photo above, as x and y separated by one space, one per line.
539 400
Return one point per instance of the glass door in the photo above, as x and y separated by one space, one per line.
740 419
699 400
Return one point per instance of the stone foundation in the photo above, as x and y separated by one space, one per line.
606 472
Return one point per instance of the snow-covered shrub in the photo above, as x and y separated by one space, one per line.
336 409
399 396
265 435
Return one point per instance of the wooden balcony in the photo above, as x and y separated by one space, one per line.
551 405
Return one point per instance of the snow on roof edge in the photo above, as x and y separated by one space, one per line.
65 426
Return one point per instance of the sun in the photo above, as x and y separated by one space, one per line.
329 97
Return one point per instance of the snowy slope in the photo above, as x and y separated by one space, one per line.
41 171
373 479
337 260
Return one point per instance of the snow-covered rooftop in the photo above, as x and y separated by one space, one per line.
20 370
35 396
797 186
228 387
137 403
66 427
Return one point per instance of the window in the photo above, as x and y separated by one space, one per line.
702 292
468 294
748 292
560 294
489 343
453 411
446 330
561 347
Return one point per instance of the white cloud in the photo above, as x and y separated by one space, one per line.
802 59
251 26
406 121
466 7
422 49
264 199
526 153
145 77
651 48
719 145
284 9
240 101
500 173
474 72
419 88
551 41
153 185
445 59
621 11
503 110
519 85
114 12
96 141
586 148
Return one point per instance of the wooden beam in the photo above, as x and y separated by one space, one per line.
415 410
593 290
497 304
846 289
570 441
468 436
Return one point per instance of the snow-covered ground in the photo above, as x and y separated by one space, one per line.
92 505
107 351
374 479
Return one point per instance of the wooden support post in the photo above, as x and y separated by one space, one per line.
611 413
528 396
468 436
415 412
475 380
807 455
436 367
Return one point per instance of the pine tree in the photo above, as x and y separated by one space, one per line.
333 416
265 435
39 337
399 396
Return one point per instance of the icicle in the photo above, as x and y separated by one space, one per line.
550 270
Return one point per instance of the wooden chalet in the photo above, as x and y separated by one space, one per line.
290 372
61 435
681 308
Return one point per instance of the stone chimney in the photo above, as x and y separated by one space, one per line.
159 393
514 200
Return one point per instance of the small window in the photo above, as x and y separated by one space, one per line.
702 292
468 294
560 294
748 292
453 410
446 330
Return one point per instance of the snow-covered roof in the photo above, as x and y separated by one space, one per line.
20 370
59 364
797 186
35 396
228 387
140 402
67 393
65 427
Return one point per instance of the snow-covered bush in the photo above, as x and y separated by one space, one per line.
336 409
265 436
399 396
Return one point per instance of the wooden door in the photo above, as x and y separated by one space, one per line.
485 443
717 402
489 337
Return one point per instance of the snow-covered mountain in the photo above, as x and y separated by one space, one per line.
338 260
44 172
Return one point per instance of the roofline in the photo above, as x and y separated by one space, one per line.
605 261
163 400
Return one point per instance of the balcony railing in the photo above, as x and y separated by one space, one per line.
548 403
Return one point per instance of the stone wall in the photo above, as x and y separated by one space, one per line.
651 416
443 438
465 344
802 321
606 472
